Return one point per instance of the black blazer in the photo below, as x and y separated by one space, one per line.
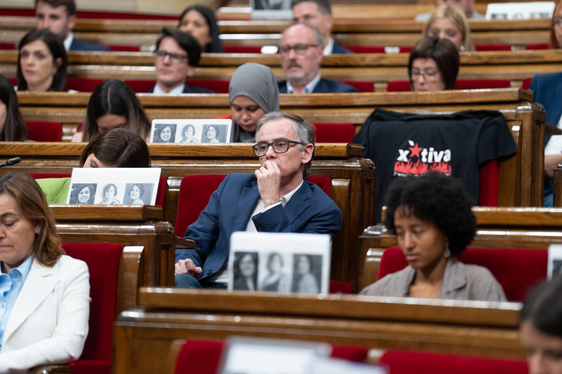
191 89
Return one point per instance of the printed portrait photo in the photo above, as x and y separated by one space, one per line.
214 134
82 193
189 135
307 273
138 193
165 133
245 271
274 274
109 195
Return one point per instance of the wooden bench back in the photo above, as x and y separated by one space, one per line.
144 337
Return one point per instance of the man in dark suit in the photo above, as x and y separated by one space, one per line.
59 17
177 55
276 198
301 56
318 13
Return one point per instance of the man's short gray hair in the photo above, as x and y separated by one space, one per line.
317 34
303 130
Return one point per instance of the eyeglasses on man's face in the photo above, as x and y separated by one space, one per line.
176 57
428 75
279 146
300 49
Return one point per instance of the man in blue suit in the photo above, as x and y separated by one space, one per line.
177 56
276 198
318 13
59 17
301 56
548 91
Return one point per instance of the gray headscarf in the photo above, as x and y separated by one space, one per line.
257 82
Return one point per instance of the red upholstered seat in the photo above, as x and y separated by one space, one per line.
492 47
461 84
334 133
140 85
517 270
241 49
488 187
83 84
526 83
532 47
5 46
196 190
215 85
340 287
44 131
404 362
362 86
47 175
103 264
125 48
203 356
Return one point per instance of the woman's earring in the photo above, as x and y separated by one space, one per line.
447 252
462 48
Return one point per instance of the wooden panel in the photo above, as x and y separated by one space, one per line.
468 328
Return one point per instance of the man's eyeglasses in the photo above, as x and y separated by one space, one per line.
279 146
428 75
174 56
300 49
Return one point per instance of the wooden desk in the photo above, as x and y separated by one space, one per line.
143 337
126 225
377 68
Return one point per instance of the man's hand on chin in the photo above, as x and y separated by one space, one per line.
269 180
188 267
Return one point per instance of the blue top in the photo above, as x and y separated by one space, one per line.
10 287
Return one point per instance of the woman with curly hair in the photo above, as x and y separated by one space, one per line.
433 222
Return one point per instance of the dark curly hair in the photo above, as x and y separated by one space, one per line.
438 199
543 307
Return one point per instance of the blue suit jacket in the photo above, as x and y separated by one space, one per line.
548 92
310 210
323 86
338 49
78 45
191 89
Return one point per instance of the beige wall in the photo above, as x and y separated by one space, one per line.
170 7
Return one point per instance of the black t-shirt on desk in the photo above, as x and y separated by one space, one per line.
457 144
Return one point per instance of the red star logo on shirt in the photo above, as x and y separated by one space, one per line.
415 150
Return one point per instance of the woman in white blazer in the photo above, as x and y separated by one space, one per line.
44 294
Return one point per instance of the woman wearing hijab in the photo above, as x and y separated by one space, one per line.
253 93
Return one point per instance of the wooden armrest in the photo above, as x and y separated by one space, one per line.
182 243
51 369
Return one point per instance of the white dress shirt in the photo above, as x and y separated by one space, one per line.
309 88
68 41
176 91
329 48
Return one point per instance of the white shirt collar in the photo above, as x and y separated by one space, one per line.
285 199
68 41
176 91
329 49
309 88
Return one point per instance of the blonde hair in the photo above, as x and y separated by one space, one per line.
456 15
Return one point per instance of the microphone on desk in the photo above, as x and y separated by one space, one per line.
12 161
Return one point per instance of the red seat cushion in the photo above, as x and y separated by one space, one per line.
340 287
83 84
488 188
7 45
362 86
103 263
196 190
404 362
492 47
161 191
334 133
44 131
241 49
90 367
461 84
125 48
526 83
215 85
203 356
140 85
531 47
47 175
517 270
